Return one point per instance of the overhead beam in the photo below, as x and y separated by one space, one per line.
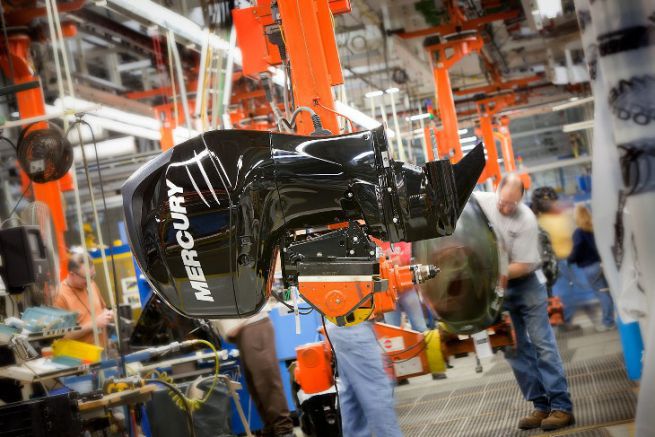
496 87
361 77
112 100
447 29
134 65
557 164
91 21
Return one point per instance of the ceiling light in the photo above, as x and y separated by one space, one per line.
419 117
468 139
573 103
97 121
372 94
581 125
123 128
360 118
107 149
110 113
181 134
462 131
393 90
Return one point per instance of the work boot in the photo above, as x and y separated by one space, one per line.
533 420
570 327
556 420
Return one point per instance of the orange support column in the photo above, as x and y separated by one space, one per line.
31 104
165 113
447 112
312 51
491 169
443 56
508 160
507 149
166 129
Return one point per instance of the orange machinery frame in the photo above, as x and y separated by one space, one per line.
307 31
458 22
249 104
444 55
31 104
487 109
502 134
409 353
503 94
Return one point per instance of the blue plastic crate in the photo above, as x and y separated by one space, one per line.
286 339
45 318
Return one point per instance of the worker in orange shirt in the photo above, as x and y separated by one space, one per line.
73 296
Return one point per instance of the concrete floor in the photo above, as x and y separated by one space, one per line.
489 403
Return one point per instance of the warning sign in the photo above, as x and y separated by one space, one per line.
409 367
392 344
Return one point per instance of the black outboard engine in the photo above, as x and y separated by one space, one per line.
205 219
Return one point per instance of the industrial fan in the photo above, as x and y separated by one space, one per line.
44 154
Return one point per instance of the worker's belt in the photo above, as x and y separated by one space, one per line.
522 280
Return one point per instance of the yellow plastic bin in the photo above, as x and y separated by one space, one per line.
86 352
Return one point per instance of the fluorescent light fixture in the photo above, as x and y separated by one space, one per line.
74 135
124 122
372 94
573 103
107 149
360 118
549 8
135 65
110 113
418 117
582 125
468 147
560 163
168 19
123 128
393 90
98 122
468 139
462 131
182 134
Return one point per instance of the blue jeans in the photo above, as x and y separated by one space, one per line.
410 303
598 283
365 391
537 366
566 287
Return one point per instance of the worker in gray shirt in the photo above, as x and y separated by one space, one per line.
537 364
